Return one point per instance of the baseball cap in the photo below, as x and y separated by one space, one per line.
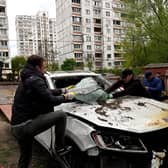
147 74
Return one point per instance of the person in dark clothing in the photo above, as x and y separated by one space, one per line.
32 110
130 86
153 84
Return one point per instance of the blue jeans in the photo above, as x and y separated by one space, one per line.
25 132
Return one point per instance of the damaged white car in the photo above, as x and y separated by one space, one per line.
127 132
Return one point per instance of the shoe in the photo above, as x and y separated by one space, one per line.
64 150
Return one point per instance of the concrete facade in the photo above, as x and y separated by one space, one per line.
90 31
36 35
4 38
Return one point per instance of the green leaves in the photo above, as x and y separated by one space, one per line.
147 37
18 63
68 65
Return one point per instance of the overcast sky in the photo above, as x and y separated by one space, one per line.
25 7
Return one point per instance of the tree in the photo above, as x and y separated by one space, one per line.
68 65
146 39
18 63
53 67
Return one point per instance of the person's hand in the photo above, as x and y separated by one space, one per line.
146 87
69 95
64 90
70 87
110 96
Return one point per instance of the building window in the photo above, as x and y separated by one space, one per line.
76 1
89 56
98 55
117 55
117 31
3 32
117 47
108 39
117 63
88 20
77 10
97 3
96 11
4 43
78 55
76 19
76 28
109 64
77 46
88 29
108 47
77 38
6 65
98 38
107 13
116 22
117 14
98 47
87 11
108 55
88 38
89 47
97 29
107 5
108 30
2 9
97 21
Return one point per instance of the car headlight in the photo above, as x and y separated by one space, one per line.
119 143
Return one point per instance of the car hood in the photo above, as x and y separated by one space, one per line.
133 114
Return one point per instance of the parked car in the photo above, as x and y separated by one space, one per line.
126 132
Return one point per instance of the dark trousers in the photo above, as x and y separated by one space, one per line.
25 133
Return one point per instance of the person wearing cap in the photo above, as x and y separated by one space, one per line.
153 84
130 85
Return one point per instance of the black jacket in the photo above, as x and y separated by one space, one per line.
33 97
133 88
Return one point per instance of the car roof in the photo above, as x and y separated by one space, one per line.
70 73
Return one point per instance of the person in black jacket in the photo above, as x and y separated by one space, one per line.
32 110
130 86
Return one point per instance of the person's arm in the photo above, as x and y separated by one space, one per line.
56 92
133 89
158 86
114 86
39 86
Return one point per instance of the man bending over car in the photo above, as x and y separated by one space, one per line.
130 85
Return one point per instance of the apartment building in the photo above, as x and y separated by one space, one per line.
4 39
90 31
36 35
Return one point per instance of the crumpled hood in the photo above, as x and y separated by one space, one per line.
133 114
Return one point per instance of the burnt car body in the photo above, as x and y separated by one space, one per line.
118 133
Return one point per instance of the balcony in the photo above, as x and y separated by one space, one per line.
3 37
97 30
76 11
97 23
2 3
2 14
76 4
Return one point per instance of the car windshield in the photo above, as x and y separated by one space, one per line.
88 89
